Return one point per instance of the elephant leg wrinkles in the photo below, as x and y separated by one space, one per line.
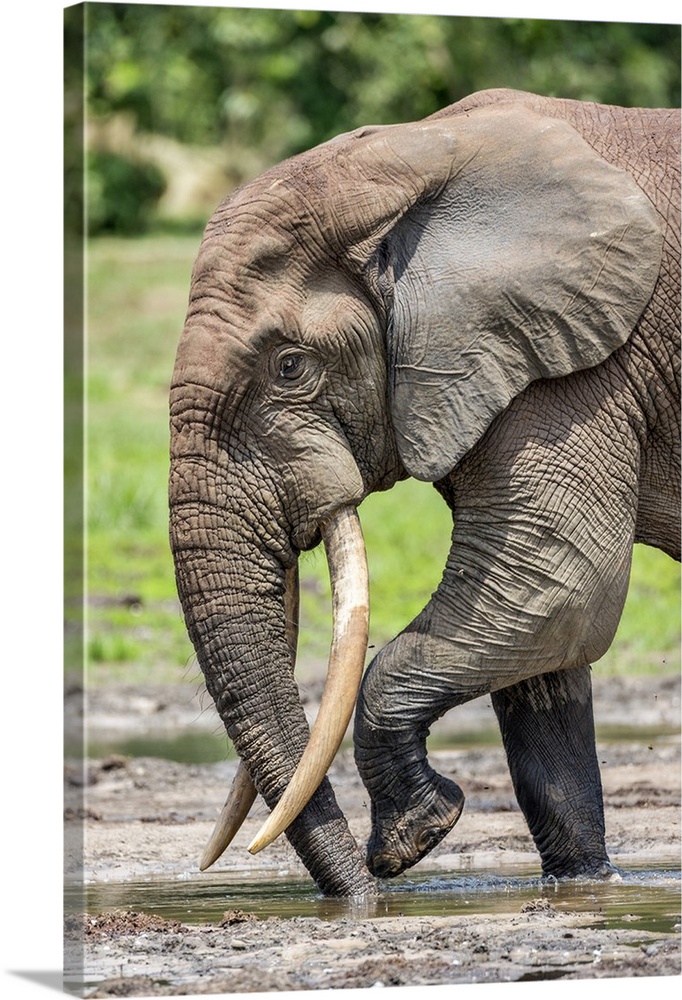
535 583
547 729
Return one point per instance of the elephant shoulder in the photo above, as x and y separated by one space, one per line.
483 99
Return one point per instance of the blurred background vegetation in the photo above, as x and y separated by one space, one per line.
187 102
183 104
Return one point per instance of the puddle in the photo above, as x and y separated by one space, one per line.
191 747
183 748
649 898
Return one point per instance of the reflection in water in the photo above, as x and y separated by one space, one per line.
197 747
650 898
187 747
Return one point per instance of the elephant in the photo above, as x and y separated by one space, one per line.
486 300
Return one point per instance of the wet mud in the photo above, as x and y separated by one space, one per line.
143 921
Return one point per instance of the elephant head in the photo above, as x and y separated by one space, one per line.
359 314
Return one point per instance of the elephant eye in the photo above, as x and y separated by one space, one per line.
296 373
291 366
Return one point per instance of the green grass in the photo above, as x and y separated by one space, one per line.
137 296
648 637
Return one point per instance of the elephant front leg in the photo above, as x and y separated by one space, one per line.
548 732
546 722
413 807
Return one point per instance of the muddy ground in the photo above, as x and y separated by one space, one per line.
145 821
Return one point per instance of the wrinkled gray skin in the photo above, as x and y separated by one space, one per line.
487 300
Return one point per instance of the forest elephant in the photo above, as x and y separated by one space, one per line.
486 300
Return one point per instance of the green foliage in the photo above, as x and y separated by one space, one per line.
122 195
263 84
204 74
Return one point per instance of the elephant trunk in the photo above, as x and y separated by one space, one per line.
350 601
243 791
235 598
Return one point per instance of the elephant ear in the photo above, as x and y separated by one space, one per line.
521 254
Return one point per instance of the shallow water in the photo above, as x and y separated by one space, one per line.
212 748
650 898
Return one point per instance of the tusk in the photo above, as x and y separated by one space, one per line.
243 791
233 814
342 536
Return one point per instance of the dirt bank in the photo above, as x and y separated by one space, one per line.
144 821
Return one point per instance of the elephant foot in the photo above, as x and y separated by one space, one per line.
591 871
402 836
413 807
